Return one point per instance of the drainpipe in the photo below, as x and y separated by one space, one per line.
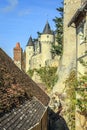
76 54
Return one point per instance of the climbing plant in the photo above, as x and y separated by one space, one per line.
71 84
47 75
82 91
30 72
76 89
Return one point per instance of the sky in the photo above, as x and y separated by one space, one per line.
20 19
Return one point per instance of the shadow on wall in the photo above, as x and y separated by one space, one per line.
56 122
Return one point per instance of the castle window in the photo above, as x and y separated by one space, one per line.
80 33
47 36
29 62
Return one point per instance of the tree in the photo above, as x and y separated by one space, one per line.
57 49
39 34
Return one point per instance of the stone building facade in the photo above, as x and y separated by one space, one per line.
79 20
38 52
68 60
74 50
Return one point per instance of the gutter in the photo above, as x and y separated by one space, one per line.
80 10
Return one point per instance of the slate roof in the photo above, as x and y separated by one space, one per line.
30 42
47 29
24 117
22 101
14 82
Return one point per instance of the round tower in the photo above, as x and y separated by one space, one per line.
29 53
46 40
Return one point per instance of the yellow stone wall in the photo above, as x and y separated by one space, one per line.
68 60
40 59
29 53
81 120
46 43
36 61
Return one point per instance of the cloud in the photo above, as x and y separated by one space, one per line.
11 5
24 12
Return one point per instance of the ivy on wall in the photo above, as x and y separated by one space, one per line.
47 75
82 91
30 72
76 89
71 84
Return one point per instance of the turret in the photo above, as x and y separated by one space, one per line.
47 29
29 52
46 40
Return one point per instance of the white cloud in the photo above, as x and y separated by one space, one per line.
11 5
24 12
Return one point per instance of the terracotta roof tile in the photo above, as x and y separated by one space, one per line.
16 84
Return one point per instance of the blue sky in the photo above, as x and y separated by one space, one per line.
21 18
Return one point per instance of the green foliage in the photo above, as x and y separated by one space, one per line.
84 63
82 101
77 95
30 72
56 50
48 76
71 84
82 91
85 52
59 31
39 34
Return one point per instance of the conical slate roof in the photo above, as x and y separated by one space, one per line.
30 42
47 29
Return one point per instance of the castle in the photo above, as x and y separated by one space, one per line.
74 50
37 52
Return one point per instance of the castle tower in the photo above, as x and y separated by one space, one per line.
68 60
18 53
29 53
46 40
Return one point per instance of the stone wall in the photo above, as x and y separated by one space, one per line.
68 60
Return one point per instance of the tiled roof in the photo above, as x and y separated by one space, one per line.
17 45
24 117
15 83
